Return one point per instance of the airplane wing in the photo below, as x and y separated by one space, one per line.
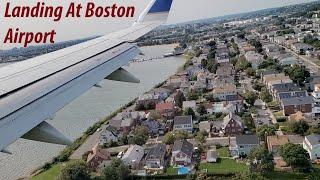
33 90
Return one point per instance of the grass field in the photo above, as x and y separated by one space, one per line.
50 174
224 166
172 171
223 152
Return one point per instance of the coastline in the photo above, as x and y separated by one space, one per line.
65 154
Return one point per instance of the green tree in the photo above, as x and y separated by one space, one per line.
299 127
261 160
179 98
75 170
201 109
266 130
204 63
248 176
168 138
200 137
265 95
192 95
140 135
242 64
295 156
189 112
298 74
116 171
250 72
250 97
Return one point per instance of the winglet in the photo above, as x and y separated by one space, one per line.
161 6
157 10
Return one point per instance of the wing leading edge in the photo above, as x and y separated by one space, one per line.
32 91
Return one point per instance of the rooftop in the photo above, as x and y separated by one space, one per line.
297 101
178 120
314 139
247 139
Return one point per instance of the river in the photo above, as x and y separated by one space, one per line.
75 118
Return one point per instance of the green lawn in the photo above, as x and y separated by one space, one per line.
172 171
50 174
223 152
224 166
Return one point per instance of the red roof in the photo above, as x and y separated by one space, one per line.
163 106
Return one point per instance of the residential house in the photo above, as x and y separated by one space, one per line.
311 143
222 55
183 123
225 70
283 87
301 48
133 156
166 109
273 79
155 158
254 58
189 104
292 94
182 153
275 142
223 91
205 126
316 97
244 144
295 104
96 157
150 99
288 61
154 127
197 86
162 93
232 125
109 134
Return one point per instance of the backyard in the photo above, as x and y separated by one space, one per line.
224 166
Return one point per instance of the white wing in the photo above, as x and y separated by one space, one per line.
32 91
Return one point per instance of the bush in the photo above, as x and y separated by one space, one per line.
281 119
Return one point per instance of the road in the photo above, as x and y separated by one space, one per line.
309 62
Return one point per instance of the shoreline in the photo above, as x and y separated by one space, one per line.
66 153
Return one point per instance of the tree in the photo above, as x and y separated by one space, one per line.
266 130
265 95
189 112
248 120
200 137
192 95
116 171
298 74
261 160
294 155
299 127
201 109
140 135
75 170
179 98
250 72
242 64
250 97
248 176
168 138
204 63
154 115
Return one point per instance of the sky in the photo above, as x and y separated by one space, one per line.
182 11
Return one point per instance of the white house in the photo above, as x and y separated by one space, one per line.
183 123
133 156
311 143
109 134
182 153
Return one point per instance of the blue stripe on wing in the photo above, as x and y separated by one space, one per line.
161 6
